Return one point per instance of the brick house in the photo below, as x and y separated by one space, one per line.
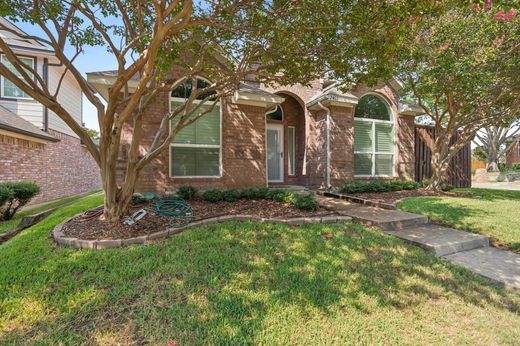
513 154
35 144
313 136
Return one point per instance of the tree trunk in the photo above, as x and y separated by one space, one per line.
439 168
492 156
117 198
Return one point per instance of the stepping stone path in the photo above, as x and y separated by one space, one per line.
469 250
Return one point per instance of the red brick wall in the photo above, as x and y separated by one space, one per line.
512 155
243 150
61 169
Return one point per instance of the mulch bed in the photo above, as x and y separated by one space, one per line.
393 197
94 228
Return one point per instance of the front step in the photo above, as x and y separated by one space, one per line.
387 220
500 266
441 240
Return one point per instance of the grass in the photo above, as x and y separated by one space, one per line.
245 283
495 213
10 224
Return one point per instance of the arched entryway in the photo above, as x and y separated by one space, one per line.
285 140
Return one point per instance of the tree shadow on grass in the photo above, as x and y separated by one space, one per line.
227 283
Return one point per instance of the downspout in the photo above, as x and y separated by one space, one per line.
46 65
327 140
46 81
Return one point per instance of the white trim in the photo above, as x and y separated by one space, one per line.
2 79
294 151
187 145
373 152
274 110
242 97
280 129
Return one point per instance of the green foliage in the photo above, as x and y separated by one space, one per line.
91 132
446 187
187 192
426 182
516 166
252 193
367 186
479 153
277 195
14 195
212 196
231 195
304 201
137 199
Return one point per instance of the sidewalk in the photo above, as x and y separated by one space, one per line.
466 249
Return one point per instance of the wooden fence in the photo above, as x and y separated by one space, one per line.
459 171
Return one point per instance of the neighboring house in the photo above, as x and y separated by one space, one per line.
314 136
513 154
35 144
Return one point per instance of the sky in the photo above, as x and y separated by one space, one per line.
92 59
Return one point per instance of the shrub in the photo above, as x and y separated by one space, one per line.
277 195
360 186
212 196
14 195
426 182
186 192
516 166
253 193
446 187
302 201
231 195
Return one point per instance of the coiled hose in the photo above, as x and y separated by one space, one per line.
178 209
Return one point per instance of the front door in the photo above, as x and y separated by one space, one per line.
275 153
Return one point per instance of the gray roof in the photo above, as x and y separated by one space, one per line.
19 42
12 122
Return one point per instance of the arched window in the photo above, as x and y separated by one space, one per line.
195 150
276 114
373 137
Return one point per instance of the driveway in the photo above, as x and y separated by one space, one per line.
497 185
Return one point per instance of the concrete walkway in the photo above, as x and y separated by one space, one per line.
497 185
469 250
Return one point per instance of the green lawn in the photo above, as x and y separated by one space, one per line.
246 283
7 225
495 213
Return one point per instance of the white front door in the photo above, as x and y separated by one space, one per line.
275 153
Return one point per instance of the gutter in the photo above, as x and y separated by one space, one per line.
327 166
48 138
46 65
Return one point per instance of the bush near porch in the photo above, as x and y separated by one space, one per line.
245 283
494 213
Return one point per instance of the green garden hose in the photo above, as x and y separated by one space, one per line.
180 211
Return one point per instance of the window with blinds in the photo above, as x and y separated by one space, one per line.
8 88
195 150
373 138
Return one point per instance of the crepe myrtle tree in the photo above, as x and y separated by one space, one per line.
462 69
495 141
279 42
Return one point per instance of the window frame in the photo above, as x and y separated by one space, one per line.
2 78
210 146
373 151
293 173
